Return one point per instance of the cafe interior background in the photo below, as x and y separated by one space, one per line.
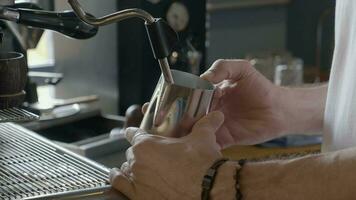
96 82
289 41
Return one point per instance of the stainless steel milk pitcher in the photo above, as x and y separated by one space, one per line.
185 101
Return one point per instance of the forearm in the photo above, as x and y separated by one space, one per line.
224 187
303 109
317 177
325 176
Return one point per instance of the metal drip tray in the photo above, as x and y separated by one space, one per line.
33 168
16 115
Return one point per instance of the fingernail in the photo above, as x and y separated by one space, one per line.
219 116
112 174
130 132
208 75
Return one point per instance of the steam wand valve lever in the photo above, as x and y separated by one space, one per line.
162 37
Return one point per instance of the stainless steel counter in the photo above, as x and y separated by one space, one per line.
33 167
86 133
111 194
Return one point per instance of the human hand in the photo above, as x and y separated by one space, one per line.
173 168
250 103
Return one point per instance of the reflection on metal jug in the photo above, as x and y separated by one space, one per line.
175 105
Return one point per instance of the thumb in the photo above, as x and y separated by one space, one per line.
144 108
134 135
208 126
122 183
228 70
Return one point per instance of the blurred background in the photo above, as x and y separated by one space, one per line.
118 65
82 89
81 94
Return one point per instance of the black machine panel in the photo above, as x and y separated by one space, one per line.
138 70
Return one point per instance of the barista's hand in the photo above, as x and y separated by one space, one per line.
170 168
250 103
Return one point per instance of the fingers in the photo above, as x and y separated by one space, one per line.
125 169
208 125
218 93
145 107
224 138
133 134
184 127
227 70
122 183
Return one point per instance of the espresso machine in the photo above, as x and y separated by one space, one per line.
21 28
32 167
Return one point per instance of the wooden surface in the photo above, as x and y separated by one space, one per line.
255 152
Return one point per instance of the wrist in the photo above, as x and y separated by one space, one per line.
302 109
286 109
282 98
261 180
224 187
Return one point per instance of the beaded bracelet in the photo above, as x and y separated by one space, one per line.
209 178
237 178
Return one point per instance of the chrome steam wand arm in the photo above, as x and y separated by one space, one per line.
162 36
111 18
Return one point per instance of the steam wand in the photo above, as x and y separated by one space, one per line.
65 22
162 36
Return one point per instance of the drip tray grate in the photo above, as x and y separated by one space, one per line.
16 115
31 167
